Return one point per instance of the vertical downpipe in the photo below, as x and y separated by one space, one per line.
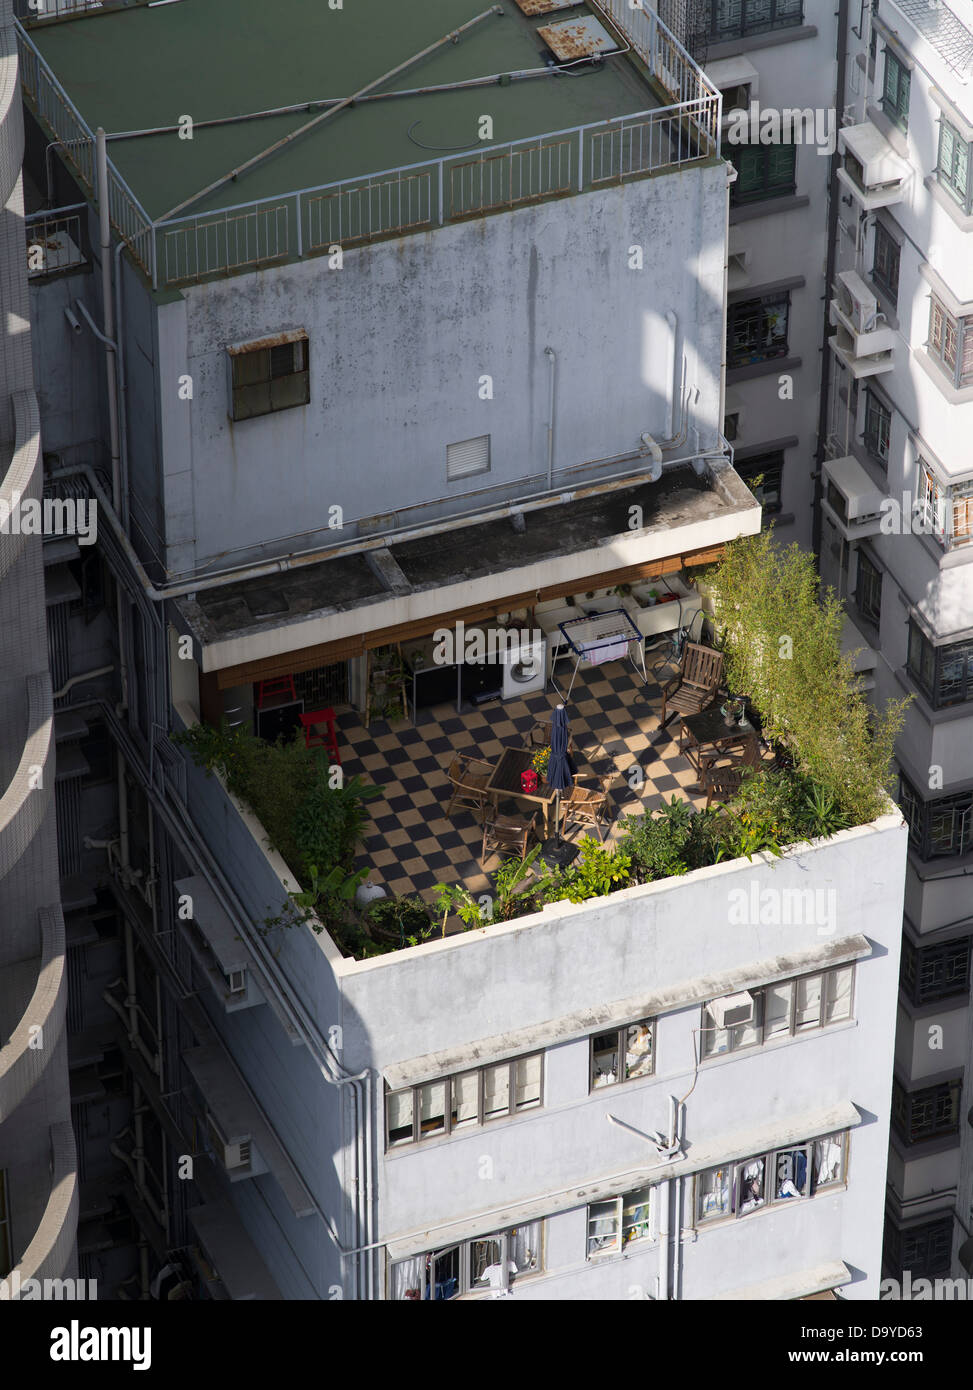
552 357
664 1190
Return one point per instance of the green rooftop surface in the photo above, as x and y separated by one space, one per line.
139 67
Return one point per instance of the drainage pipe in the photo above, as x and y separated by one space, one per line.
552 358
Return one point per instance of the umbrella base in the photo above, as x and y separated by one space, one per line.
557 853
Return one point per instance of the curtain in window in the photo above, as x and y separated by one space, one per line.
496 1090
432 1107
527 1073
602 1226
637 1215
714 1193
777 1009
808 1011
750 1180
524 1246
827 1159
464 1089
400 1115
407 1278
638 1050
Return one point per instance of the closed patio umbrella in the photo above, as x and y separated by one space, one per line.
560 768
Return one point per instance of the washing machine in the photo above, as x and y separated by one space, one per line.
524 668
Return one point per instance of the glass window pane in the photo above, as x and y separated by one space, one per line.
637 1215
407 1279
828 1160
638 1050
432 1108
524 1246
527 1072
443 1273
750 1186
808 1011
485 1262
400 1116
791 1175
777 1008
464 1096
713 1194
837 999
602 1227
496 1091
604 1059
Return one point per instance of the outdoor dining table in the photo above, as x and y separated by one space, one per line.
706 736
505 782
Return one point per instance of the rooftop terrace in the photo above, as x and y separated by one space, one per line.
250 76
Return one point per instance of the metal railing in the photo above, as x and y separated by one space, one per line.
55 240
349 212
33 11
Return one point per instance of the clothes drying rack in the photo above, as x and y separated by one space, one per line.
601 637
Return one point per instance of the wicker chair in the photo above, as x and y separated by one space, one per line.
468 778
507 836
696 683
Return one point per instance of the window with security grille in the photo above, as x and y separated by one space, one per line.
763 474
737 19
924 1251
953 165
885 263
763 171
944 674
950 343
757 329
941 828
935 972
895 91
925 1114
945 510
269 376
878 427
868 590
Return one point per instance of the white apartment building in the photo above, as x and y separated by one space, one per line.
897 507
404 368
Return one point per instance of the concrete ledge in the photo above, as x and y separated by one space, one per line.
21 1064
23 807
23 475
801 1285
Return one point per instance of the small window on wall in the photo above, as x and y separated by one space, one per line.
467 458
270 375
762 475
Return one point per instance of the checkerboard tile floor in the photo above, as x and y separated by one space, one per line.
410 846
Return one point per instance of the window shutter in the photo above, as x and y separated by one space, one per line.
468 457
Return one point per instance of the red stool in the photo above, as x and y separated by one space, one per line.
279 686
315 739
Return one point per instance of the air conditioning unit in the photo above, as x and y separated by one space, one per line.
736 98
237 981
732 1010
864 341
232 1156
872 172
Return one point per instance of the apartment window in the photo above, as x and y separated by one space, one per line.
885 263
786 1009
737 19
467 458
953 165
924 1114
6 1258
770 1179
463 1101
945 674
868 590
951 343
929 973
622 1054
757 329
762 475
269 376
615 1224
924 1251
878 427
493 1261
763 171
895 91
945 511
731 426
939 828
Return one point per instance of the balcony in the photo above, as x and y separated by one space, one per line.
863 342
872 173
33 1000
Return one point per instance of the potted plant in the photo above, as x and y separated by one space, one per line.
540 761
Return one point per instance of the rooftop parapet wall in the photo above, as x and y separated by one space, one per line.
370 200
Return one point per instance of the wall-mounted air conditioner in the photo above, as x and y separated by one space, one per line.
235 1156
732 1010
